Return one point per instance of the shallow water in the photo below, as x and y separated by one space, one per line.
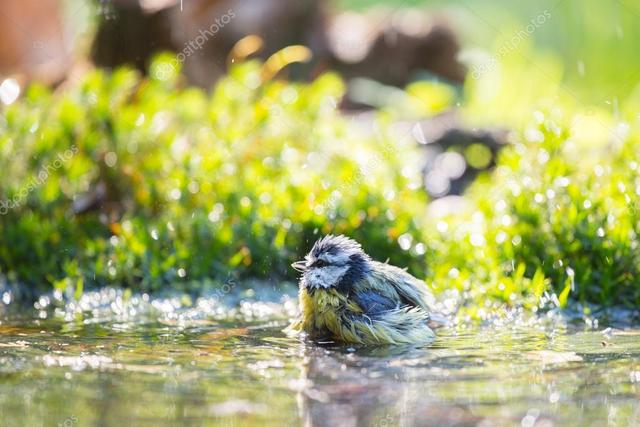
194 367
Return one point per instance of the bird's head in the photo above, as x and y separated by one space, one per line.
334 261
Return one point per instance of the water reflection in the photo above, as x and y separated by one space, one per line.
212 371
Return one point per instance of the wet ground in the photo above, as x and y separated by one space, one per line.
112 360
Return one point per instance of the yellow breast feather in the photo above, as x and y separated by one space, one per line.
331 315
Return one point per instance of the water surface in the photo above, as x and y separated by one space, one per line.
137 366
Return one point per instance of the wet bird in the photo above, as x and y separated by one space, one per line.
347 297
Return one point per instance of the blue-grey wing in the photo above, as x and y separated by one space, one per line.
373 303
412 292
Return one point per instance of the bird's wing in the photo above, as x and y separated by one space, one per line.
413 292
373 303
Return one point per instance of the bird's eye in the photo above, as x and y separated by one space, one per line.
320 263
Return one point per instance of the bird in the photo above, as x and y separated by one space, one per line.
347 297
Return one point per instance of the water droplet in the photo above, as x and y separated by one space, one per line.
110 159
451 164
405 241
477 239
289 95
533 135
418 134
6 298
193 187
442 226
9 91
175 194
265 198
437 184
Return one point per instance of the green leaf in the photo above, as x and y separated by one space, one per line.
564 295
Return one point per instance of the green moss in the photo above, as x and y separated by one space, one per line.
191 185
555 215
195 187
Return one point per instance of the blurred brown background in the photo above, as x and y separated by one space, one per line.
35 41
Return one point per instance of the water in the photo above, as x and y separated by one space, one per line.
161 363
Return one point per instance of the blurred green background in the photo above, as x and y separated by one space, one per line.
595 42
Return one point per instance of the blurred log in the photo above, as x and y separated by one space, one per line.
279 23
394 49
130 31
203 32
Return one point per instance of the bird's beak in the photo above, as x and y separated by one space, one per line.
300 266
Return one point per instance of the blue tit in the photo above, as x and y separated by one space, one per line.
347 297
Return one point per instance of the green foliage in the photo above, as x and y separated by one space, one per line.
193 186
555 211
